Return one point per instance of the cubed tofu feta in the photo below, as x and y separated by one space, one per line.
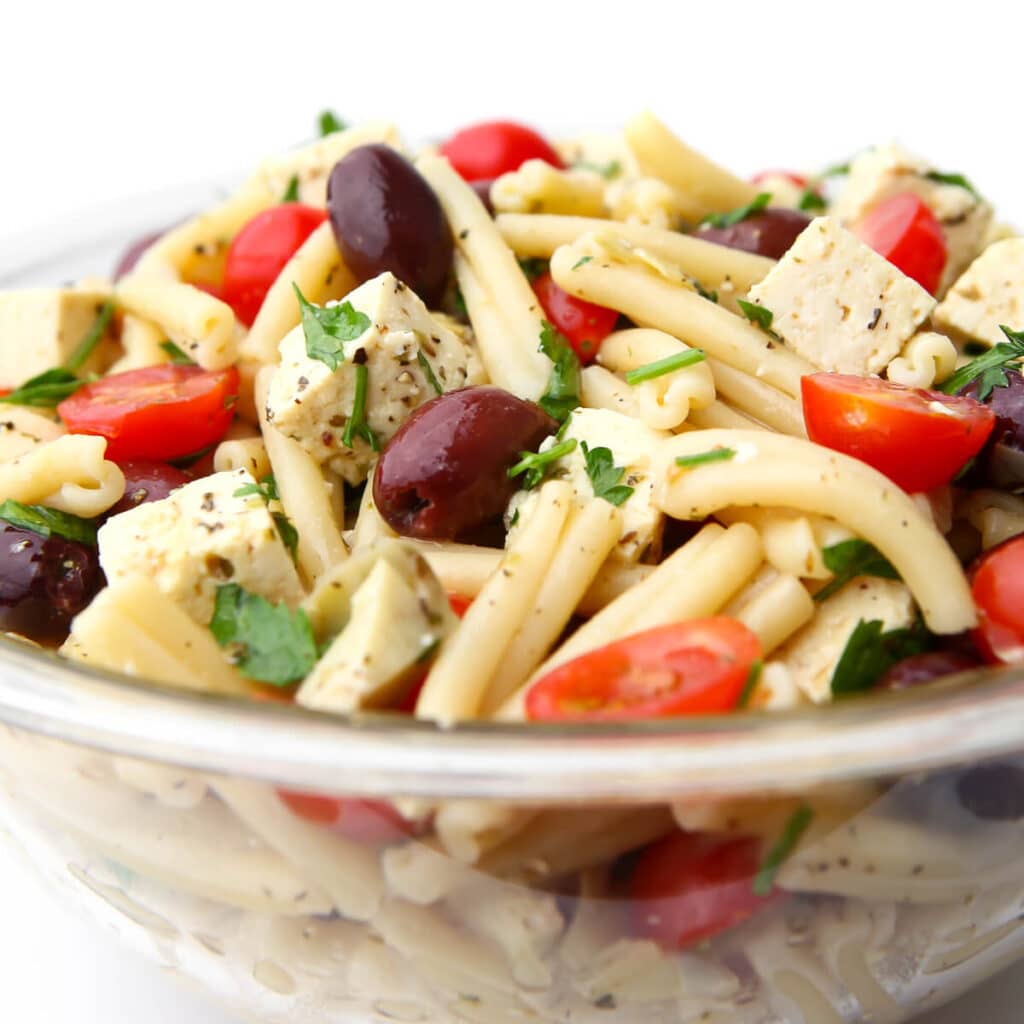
839 304
990 293
41 327
311 403
885 171
811 655
201 536
633 446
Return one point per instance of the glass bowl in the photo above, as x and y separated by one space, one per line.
253 847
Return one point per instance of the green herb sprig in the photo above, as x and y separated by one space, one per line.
328 123
676 361
870 653
535 464
741 213
989 369
178 357
327 328
702 458
795 827
428 372
357 425
850 558
48 521
604 475
563 390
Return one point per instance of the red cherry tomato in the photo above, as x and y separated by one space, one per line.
373 822
798 179
687 668
493 148
259 251
459 604
159 412
919 439
583 324
998 590
906 232
687 887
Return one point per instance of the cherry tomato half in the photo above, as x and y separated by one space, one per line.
687 668
259 251
493 148
158 412
799 180
919 439
687 887
998 590
373 822
583 324
905 231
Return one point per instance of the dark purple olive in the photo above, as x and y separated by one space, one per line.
482 188
133 254
926 668
44 581
386 217
767 233
1001 462
992 792
445 473
146 480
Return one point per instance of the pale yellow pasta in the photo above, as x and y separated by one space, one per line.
537 187
771 469
418 871
467 829
646 201
612 581
602 389
721 415
790 542
248 453
705 186
666 401
776 611
927 359
134 628
590 534
650 300
460 675
319 272
68 473
21 430
758 399
141 341
200 325
517 365
996 515
303 492
370 526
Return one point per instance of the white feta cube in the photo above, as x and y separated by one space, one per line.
311 403
201 536
990 293
839 304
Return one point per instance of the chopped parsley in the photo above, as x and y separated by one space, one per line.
764 880
428 372
266 489
178 357
45 390
291 193
563 390
328 122
676 361
759 316
715 455
535 464
357 425
605 475
327 328
287 532
48 521
850 558
953 179
835 170
582 262
810 199
85 347
711 296
741 213
268 643
870 653
750 685
533 268
989 369
608 170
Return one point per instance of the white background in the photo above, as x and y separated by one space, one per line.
101 101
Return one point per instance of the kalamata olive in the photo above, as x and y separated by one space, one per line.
445 473
386 217
483 189
147 480
44 581
767 233
133 254
925 668
992 792
1001 462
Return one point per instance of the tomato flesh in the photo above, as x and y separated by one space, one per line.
696 667
259 252
493 148
688 887
904 230
997 587
583 324
373 822
919 439
799 180
157 412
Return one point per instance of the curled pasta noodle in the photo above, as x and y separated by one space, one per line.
68 473
249 453
537 187
780 470
141 341
927 359
602 389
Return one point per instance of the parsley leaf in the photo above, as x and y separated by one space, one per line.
287 532
608 170
46 390
291 193
266 489
605 475
988 369
176 354
764 880
835 170
428 372
92 338
676 361
357 425
327 328
870 653
953 179
582 262
48 521
750 685
268 643
329 122
850 558
759 316
711 296
811 200
563 390
727 220
715 455
535 464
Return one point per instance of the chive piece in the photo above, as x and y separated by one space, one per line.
759 316
45 390
178 357
291 193
764 880
741 213
676 361
91 339
953 179
715 455
357 425
811 200
750 685
329 123
535 464
428 372
581 262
